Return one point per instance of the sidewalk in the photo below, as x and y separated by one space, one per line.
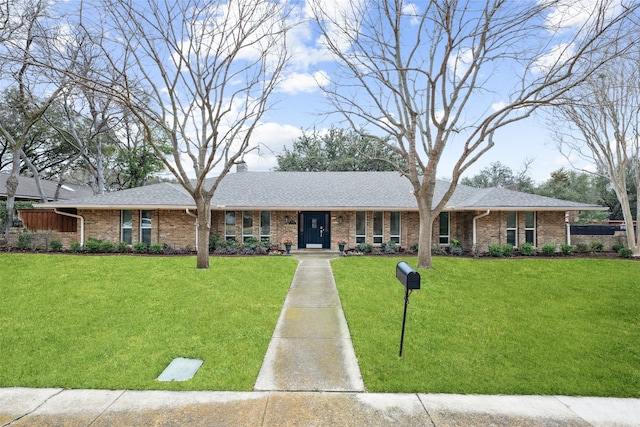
311 348
310 377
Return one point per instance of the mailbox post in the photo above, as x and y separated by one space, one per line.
410 279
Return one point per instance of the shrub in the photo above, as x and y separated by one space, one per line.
496 251
582 248
616 247
390 247
92 246
156 248
140 248
75 247
364 247
56 245
122 247
596 246
456 247
549 249
526 249
566 249
507 250
214 242
625 252
24 241
106 246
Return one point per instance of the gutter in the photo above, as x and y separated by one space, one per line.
191 214
77 217
476 218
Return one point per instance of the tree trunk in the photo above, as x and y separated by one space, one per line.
203 222
623 197
12 188
36 176
637 251
425 235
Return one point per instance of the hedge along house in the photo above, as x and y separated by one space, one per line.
316 209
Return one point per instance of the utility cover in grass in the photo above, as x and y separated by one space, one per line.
180 369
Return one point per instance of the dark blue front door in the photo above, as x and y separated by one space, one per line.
314 232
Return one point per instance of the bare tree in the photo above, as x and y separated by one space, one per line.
200 71
31 39
602 118
443 76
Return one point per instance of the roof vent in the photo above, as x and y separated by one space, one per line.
241 166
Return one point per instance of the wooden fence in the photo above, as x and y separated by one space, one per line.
47 220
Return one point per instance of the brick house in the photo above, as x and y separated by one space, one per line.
315 209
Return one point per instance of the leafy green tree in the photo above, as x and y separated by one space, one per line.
337 150
499 175
571 185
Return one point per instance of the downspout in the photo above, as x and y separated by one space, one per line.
196 217
568 225
81 223
475 234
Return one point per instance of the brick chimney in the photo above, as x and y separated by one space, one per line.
241 166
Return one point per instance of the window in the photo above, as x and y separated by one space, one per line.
230 225
247 225
361 226
394 233
530 227
126 227
378 227
145 227
512 228
443 238
265 225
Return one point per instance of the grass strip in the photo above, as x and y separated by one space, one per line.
542 327
115 322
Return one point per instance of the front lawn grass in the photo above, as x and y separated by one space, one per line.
533 326
116 322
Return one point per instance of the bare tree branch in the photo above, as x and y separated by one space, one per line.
443 76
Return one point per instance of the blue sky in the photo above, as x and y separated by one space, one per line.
300 104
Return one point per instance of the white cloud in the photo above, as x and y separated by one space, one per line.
573 14
271 138
411 10
459 62
497 106
558 55
300 82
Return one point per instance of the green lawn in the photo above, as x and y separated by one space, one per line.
116 322
526 326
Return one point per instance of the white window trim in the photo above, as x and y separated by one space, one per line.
143 226
378 236
265 236
122 227
391 236
448 235
363 237
535 234
250 234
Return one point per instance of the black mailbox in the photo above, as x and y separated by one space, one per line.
409 278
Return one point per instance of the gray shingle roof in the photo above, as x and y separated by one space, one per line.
27 189
320 191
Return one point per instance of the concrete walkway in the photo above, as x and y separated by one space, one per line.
309 377
311 347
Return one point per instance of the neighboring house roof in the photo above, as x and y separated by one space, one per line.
27 189
319 191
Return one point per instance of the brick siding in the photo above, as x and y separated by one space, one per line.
176 228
